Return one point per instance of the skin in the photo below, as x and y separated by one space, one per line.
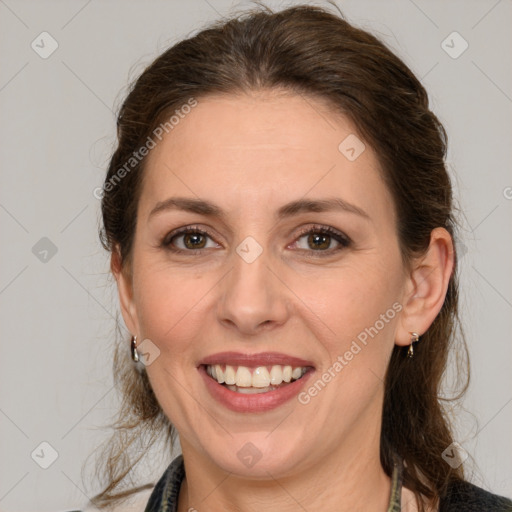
250 155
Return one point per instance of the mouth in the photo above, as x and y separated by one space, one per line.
254 383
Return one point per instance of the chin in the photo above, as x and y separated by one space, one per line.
258 454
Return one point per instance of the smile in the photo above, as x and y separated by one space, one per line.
254 382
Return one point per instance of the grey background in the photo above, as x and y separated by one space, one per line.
58 310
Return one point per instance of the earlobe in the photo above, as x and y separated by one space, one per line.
426 287
125 290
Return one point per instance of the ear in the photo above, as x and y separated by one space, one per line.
426 287
123 276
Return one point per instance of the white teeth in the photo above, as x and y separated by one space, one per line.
260 377
276 375
243 377
229 375
297 373
212 372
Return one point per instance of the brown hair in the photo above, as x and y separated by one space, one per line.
309 51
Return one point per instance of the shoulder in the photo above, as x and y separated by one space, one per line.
151 499
466 497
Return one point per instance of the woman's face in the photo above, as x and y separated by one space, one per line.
266 278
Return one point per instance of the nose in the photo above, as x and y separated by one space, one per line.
252 298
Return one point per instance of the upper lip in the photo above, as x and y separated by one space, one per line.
259 359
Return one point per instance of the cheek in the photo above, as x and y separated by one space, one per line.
358 309
169 304
351 299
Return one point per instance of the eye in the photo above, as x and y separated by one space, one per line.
188 239
315 239
320 239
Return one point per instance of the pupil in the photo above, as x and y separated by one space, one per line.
194 240
323 239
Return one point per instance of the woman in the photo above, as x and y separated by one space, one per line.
279 217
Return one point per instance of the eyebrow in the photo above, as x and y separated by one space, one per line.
209 209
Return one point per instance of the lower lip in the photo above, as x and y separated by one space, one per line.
259 402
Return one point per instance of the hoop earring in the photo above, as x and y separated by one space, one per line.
415 337
135 354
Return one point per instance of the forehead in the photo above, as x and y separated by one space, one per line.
263 147
274 119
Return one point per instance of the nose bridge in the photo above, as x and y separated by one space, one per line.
251 296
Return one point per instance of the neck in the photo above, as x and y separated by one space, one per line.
349 491
350 478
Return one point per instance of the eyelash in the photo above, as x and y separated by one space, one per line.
343 240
